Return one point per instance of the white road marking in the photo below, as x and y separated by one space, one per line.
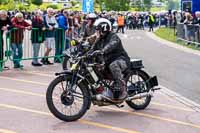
189 103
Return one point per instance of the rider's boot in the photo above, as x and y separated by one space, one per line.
119 90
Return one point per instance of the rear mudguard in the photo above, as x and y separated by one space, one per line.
81 80
151 82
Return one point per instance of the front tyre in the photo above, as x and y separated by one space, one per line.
138 79
64 104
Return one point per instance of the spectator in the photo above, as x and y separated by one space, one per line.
77 24
37 36
183 17
197 18
17 37
196 21
60 38
174 19
130 21
5 24
170 19
51 24
70 32
120 22
189 29
151 21
140 22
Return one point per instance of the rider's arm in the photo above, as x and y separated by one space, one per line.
112 45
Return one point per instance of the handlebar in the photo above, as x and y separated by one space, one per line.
89 56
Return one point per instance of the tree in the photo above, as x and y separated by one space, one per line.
116 5
73 3
53 6
173 5
37 2
138 5
147 4
4 1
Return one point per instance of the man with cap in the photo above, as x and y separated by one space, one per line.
17 36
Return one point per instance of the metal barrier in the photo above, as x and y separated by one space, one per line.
189 33
32 44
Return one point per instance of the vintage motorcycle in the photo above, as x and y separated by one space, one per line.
87 81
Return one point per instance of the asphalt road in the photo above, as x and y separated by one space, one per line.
177 70
23 106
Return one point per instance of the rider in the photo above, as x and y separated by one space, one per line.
116 58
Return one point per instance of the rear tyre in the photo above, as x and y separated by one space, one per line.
140 77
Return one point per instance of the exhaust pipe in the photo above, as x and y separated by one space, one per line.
101 97
139 96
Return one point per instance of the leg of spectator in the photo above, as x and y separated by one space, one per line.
123 29
118 29
36 49
34 53
57 49
152 27
47 52
20 53
149 27
67 45
15 55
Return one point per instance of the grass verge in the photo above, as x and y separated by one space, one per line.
169 35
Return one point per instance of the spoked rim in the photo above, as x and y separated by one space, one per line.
68 103
137 80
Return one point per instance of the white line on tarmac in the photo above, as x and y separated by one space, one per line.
115 109
156 117
166 91
6 131
41 95
87 122
25 81
189 103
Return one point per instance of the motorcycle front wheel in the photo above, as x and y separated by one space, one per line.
64 104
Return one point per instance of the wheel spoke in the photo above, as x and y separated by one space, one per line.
62 107
77 96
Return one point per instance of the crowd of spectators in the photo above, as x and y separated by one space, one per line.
191 26
55 28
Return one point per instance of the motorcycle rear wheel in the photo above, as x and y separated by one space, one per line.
137 104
